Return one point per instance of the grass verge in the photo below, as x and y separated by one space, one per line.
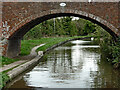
27 45
3 79
6 61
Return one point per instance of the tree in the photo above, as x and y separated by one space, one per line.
89 28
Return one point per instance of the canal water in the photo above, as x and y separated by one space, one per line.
76 64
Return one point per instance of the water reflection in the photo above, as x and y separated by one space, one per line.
67 66
77 64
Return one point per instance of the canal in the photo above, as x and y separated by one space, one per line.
76 64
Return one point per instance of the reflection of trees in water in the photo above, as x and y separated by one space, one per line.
61 67
94 50
61 64
75 66
106 76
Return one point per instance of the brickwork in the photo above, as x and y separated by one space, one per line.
119 17
19 17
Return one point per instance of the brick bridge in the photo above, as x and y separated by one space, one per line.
19 17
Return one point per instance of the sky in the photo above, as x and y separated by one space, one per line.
73 18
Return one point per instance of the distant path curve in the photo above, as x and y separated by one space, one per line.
33 51
32 54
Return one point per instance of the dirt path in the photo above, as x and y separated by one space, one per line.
24 59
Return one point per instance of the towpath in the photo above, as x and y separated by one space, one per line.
32 54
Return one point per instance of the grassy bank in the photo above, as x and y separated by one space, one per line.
3 75
6 61
27 45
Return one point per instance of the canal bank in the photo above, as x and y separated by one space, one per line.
22 68
76 64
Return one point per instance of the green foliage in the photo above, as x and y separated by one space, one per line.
33 33
73 30
89 28
3 79
80 24
64 26
109 47
115 48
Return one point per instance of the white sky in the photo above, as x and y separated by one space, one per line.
73 18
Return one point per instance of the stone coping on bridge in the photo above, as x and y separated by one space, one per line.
60 0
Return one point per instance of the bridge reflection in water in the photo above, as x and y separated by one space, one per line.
77 64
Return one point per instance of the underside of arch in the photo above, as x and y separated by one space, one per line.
19 33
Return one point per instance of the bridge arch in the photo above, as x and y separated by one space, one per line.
25 25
